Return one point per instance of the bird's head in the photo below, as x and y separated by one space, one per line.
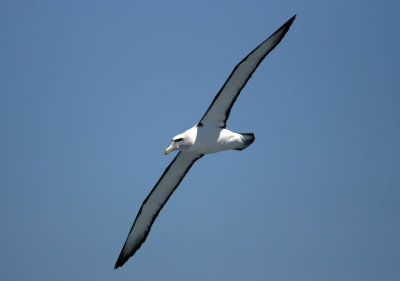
177 143
183 142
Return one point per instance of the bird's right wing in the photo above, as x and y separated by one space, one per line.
154 202
220 108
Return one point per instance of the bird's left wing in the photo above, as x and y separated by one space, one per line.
220 108
154 202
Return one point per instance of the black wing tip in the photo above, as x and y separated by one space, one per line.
123 258
117 265
121 261
289 22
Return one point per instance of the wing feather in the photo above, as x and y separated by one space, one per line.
218 112
154 202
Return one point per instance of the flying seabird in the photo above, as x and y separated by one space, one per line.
207 136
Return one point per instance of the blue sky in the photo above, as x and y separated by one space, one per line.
91 92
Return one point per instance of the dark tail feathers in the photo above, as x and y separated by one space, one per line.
248 139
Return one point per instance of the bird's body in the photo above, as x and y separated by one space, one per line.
210 139
208 136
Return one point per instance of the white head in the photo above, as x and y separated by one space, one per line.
177 143
180 142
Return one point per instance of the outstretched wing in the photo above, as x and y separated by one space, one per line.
220 108
154 202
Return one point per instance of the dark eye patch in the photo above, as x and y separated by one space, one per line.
176 140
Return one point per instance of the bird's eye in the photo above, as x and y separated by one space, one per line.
176 140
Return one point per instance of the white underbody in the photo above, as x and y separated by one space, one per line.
209 139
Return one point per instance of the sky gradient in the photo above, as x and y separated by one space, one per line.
92 93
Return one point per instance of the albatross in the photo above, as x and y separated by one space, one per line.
207 136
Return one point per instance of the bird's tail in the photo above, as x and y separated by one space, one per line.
248 138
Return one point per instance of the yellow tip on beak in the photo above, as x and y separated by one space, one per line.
169 149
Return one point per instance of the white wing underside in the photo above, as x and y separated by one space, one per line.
219 110
154 202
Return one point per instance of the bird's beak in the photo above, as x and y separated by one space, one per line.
169 149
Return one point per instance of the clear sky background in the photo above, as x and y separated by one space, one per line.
91 93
